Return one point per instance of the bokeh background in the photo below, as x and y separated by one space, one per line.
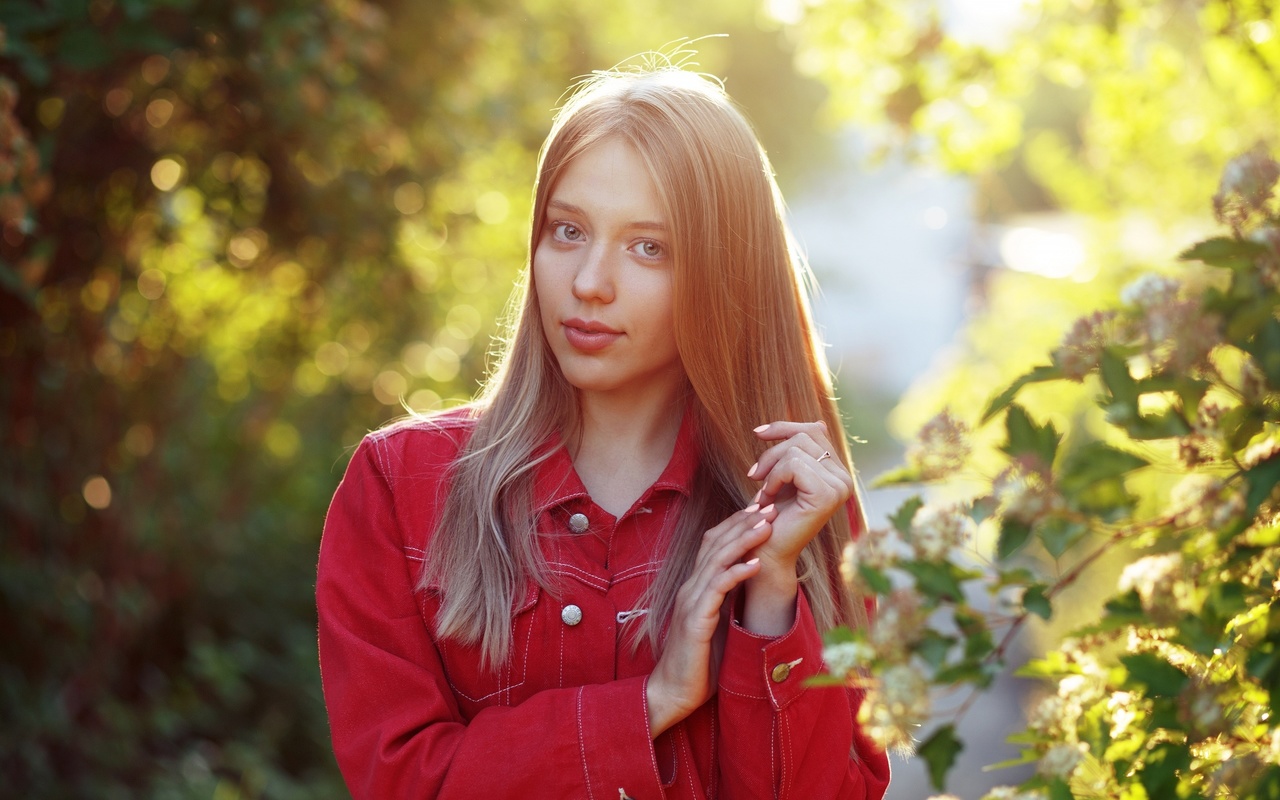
236 235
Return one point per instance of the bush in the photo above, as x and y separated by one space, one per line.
1174 690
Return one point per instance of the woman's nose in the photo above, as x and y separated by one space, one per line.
594 279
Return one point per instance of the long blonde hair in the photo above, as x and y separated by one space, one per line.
743 329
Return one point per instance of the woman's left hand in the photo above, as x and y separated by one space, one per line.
806 482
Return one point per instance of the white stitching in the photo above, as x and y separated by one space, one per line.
505 685
740 694
637 569
582 745
784 735
773 751
714 788
684 748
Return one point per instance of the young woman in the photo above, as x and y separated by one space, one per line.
607 577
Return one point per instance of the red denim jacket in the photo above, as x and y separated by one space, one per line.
414 716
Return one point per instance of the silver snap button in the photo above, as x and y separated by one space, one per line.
571 615
578 523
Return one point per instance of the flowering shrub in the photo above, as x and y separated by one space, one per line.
1174 690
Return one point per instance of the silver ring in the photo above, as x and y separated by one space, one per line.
825 454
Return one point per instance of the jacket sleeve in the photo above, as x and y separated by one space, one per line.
808 737
396 727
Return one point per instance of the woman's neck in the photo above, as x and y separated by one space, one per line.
623 446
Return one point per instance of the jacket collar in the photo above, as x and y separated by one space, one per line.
556 482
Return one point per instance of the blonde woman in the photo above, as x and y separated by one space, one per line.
607 577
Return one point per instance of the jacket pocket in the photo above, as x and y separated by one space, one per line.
503 684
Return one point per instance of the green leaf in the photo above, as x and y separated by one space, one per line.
1265 349
1016 576
1223 251
1096 461
1059 790
1035 601
1026 438
933 648
1239 425
982 508
1002 400
898 476
1013 535
1261 481
978 642
874 578
1107 499
1159 772
937 580
1057 534
1116 377
1160 678
939 752
1121 611
901 519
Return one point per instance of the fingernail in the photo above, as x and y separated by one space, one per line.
759 494
751 473
753 561
762 428
767 509
760 524
752 507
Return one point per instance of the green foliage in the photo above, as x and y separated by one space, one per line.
939 751
1172 691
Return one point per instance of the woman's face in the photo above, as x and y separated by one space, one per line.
603 273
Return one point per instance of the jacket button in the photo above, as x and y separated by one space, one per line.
781 672
579 523
571 615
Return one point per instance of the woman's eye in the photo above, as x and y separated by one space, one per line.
567 231
649 249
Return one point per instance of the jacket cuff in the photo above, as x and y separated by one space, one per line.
772 668
613 737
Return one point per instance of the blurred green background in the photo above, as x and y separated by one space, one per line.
235 236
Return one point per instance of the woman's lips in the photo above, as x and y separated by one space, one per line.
589 336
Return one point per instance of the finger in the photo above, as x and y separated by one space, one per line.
710 600
700 616
733 548
814 485
785 429
801 442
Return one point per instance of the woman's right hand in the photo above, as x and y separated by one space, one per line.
685 675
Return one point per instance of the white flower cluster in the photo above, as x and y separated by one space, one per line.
1046 717
1025 498
1081 349
941 447
1261 451
1271 747
1190 496
896 705
878 547
1123 707
937 529
1061 760
1155 579
899 622
1149 291
1014 793
845 657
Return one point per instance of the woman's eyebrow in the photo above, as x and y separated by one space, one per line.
570 208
